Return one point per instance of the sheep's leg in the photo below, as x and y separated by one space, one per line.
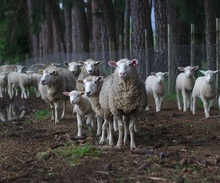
120 132
125 132
205 105
194 104
64 110
102 140
115 125
211 104
157 100
56 106
79 125
52 112
1 92
110 136
178 99
160 102
184 94
99 125
23 92
131 129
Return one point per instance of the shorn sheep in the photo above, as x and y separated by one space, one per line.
127 97
155 85
205 88
53 83
184 83
89 67
82 107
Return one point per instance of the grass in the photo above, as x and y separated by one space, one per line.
42 114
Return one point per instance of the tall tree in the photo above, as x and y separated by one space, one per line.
210 34
138 11
127 30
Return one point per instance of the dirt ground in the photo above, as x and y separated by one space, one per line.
172 147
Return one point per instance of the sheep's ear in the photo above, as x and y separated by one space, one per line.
112 63
181 68
166 73
82 92
153 73
195 67
134 62
79 81
218 71
81 63
99 78
66 63
203 72
98 62
66 93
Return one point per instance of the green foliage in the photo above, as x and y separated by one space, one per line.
42 114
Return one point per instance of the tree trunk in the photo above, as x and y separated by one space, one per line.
210 34
127 30
138 14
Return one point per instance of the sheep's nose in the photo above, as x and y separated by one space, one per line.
88 93
90 71
43 82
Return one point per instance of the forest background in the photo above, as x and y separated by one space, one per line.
33 31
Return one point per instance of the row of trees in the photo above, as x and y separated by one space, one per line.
40 27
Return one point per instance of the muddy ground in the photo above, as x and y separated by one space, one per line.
172 147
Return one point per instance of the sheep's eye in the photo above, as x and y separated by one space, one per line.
94 82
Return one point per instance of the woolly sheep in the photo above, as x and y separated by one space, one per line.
12 68
127 96
184 83
39 67
74 67
89 67
155 86
23 80
3 83
82 107
205 88
93 85
98 87
54 82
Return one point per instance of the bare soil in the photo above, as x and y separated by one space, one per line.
172 146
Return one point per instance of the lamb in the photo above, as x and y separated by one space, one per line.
82 107
184 83
74 67
97 89
89 67
23 80
127 97
54 82
93 85
155 86
206 89
3 83
12 68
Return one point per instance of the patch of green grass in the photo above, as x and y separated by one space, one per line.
42 114
73 153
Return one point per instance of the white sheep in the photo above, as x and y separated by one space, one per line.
98 87
184 83
74 67
82 107
35 83
12 68
127 97
23 80
3 83
93 85
155 85
54 82
205 88
89 67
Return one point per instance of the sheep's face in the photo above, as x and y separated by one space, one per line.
123 67
209 75
189 71
160 76
75 96
73 66
91 85
20 68
48 76
90 65
30 75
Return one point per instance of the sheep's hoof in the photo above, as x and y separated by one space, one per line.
101 141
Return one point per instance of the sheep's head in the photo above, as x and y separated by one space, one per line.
75 96
90 84
30 74
90 65
160 76
189 70
20 68
123 67
48 76
209 75
73 66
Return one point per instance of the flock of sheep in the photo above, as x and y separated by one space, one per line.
105 102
